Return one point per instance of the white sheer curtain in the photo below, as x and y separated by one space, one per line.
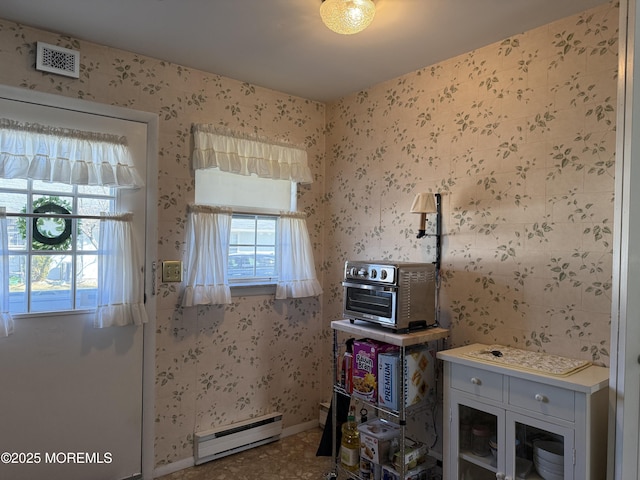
120 275
74 157
6 322
208 235
297 274
248 154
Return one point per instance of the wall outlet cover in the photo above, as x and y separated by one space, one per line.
172 271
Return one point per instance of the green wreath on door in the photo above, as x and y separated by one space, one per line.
48 233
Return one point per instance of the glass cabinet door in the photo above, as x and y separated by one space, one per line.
477 432
538 450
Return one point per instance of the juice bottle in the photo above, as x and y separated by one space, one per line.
350 446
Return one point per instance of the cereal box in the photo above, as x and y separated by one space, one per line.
419 377
365 368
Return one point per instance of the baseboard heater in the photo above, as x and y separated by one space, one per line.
234 438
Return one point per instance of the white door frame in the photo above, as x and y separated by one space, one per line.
151 120
624 418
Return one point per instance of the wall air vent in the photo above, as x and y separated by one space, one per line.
54 59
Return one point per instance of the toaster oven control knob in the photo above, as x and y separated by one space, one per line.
383 274
374 273
354 271
363 272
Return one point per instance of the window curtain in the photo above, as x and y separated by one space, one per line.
120 275
246 154
6 322
208 233
74 157
297 273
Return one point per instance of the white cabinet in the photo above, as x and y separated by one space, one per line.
362 329
503 422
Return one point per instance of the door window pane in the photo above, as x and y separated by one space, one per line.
87 281
51 277
40 186
53 266
18 283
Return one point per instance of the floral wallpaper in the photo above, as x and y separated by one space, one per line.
517 136
214 365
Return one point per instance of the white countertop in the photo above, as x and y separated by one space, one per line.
588 380
386 335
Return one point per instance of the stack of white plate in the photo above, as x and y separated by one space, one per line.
548 457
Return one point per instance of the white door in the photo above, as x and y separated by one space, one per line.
624 428
71 401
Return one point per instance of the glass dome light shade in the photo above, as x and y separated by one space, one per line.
347 16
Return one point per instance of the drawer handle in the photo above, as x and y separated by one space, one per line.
541 398
476 381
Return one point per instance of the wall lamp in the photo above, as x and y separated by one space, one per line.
423 204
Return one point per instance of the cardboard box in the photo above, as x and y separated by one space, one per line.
421 472
323 413
364 373
419 374
414 453
375 439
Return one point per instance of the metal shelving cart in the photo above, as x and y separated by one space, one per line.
403 341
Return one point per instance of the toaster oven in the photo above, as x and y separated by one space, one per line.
397 295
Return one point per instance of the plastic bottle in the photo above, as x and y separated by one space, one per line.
346 381
350 446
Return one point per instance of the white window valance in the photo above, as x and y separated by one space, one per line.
74 157
245 155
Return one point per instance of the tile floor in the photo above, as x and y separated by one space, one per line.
291 458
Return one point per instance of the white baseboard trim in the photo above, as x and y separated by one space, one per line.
173 467
301 427
190 462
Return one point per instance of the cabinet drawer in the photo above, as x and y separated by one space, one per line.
545 399
477 381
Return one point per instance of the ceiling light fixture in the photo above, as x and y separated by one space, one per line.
347 16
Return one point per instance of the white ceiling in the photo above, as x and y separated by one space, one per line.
283 45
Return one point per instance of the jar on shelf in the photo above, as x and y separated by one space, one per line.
493 447
481 434
466 437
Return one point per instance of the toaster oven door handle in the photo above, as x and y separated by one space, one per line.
364 286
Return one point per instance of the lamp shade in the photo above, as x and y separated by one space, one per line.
347 16
424 203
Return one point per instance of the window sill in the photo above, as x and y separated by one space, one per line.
252 289
56 313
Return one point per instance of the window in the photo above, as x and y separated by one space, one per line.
249 182
252 248
53 261
253 239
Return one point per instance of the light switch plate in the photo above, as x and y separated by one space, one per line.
172 271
